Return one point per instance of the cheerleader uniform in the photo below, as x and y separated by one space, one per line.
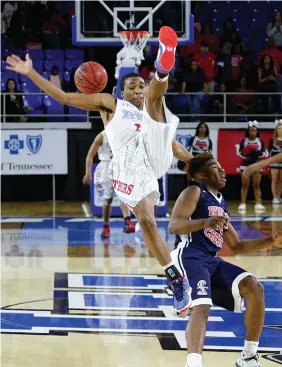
275 147
251 151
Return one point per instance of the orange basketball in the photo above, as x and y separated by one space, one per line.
90 77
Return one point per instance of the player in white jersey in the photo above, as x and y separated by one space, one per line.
141 133
103 183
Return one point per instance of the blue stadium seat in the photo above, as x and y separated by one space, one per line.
17 52
3 65
76 111
54 55
54 108
70 64
67 75
34 54
38 65
74 54
48 64
35 102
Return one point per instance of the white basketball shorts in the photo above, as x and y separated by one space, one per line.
135 169
102 181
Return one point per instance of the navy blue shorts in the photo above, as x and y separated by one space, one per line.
213 280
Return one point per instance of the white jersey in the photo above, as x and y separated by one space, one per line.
142 151
104 152
124 126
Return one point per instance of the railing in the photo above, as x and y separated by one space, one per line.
37 110
188 106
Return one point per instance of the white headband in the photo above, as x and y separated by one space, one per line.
253 123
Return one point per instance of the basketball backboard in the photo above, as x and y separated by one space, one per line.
98 22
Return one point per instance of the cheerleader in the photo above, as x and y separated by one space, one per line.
275 147
199 143
251 150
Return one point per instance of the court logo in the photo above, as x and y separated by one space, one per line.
34 143
201 287
89 303
14 144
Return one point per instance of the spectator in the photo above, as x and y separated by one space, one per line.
55 77
194 81
13 103
206 62
244 103
251 150
271 49
236 58
199 143
275 147
274 29
267 77
216 104
207 35
230 36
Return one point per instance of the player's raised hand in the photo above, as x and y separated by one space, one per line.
277 238
216 222
18 65
251 170
86 179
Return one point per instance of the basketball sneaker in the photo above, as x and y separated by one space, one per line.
129 227
105 232
181 295
166 55
243 361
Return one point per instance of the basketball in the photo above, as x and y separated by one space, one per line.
90 77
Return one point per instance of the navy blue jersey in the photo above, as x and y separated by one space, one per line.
206 241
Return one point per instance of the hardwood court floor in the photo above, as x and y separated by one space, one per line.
70 298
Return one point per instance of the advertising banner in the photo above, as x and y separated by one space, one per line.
34 152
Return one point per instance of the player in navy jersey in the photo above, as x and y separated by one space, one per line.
200 218
251 150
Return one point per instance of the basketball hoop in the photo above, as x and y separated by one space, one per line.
135 40
131 54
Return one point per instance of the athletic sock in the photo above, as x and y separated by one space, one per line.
126 219
161 77
172 272
106 226
194 360
250 348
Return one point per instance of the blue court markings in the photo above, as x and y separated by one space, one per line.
86 231
60 220
144 310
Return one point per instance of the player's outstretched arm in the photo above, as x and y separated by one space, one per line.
183 209
98 141
231 239
180 152
256 167
91 102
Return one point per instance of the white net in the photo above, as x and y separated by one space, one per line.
132 52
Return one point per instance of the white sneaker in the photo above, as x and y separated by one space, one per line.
248 362
242 206
259 207
276 201
137 227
